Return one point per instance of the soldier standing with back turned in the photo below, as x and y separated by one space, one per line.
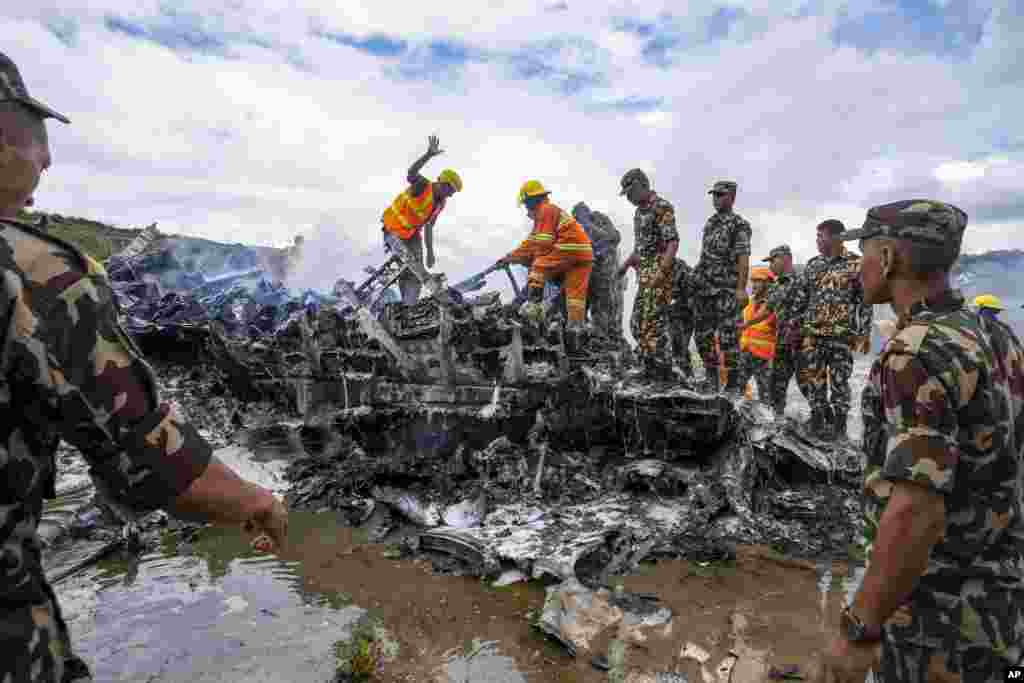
721 281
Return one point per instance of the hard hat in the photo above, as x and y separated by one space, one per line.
634 175
988 301
531 188
760 273
452 178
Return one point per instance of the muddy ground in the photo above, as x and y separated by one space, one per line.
767 610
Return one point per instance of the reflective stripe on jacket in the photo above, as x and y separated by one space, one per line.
408 213
759 339
553 229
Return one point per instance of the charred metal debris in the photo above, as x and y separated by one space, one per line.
473 436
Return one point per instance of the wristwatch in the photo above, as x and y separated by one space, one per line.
855 630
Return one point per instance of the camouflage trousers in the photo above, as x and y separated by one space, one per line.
717 313
35 644
760 370
681 330
680 325
783 367
649 322
906 663
825 362
605 314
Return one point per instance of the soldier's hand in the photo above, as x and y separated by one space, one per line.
434 146
268 528
862 344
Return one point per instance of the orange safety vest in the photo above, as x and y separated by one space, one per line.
758 339
408 213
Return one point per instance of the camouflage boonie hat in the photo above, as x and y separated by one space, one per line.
781 250
12 89
634 175
919 220
723 186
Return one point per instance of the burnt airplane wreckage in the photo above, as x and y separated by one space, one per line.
473 437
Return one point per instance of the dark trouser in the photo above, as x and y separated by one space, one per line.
601 298
760 370
409 284
825 361
717 313
783 367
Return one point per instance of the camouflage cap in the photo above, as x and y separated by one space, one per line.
634 175
724 186
920 220
781 250
12 88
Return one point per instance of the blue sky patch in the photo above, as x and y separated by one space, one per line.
915 26
377 45
171 30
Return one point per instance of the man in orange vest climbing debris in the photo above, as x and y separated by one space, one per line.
413 213
757 343
556 248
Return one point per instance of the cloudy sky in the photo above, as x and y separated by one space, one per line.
254 121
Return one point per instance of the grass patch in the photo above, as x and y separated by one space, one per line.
717 569
360 657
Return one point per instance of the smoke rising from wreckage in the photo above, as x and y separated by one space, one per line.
501 450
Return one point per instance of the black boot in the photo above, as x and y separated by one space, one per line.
839 425
814 424
734 382
827 432
710 385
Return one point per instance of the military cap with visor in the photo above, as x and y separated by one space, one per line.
726 186
781 250
632 177
925 221
12 89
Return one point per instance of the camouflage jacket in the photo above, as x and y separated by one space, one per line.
726 238
604 236
829 299
943 408
780 297
70 372
654 226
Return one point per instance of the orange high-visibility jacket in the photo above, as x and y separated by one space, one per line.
758 339
408 213
553 230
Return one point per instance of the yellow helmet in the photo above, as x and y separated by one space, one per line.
452 178
531 188
988 301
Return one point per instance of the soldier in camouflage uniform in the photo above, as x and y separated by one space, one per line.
835 320
720 279
779 304
943 597
68 371
654 253
604 278
680 316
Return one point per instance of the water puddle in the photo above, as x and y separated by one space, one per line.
211 611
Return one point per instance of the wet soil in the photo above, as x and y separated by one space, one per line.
765 609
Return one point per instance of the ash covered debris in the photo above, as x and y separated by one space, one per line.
455 416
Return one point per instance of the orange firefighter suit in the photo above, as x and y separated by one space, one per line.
558 247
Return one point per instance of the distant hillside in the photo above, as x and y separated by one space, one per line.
99 240
193 254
